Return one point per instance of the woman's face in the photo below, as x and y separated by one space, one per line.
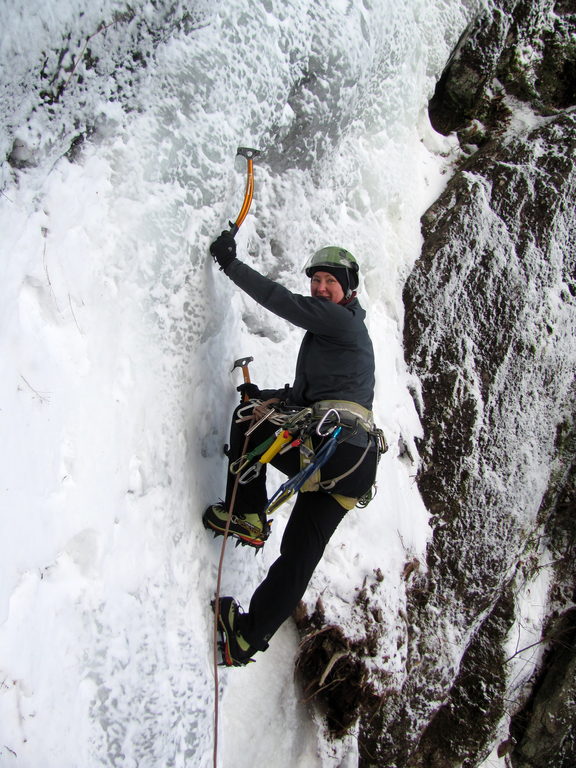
323 285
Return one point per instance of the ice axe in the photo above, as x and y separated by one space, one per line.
243 362
249 154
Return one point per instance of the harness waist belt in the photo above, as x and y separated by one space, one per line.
351 414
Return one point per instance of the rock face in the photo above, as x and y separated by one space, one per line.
490 323
489 331
545 727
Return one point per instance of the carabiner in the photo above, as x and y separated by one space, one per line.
237 466
303 413
250 474
323 420
245 408
281 495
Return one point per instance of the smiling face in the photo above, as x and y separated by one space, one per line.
323 285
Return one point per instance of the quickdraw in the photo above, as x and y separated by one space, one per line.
290 423
244 461
291 486
294 427
279 440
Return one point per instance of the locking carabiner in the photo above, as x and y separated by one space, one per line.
323 421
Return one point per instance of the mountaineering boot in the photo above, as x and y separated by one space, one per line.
236 651
251 529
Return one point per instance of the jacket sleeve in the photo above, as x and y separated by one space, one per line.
319 316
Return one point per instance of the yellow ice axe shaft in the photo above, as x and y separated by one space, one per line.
249 154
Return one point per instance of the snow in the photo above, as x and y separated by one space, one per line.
118 334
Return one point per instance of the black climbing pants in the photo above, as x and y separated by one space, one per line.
314 518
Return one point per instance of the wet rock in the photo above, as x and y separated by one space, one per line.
490 315
545 729
519 48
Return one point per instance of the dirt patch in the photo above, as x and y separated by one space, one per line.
333 672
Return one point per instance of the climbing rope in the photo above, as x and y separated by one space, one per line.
329 427
217 610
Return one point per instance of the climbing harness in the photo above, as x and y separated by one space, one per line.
334 421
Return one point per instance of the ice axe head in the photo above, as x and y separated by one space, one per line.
248 152
243 362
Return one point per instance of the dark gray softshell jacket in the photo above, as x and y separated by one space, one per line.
336 358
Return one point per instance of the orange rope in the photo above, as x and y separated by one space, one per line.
217 607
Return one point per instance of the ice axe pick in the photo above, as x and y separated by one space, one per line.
249 154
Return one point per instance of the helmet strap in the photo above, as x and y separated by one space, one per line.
350 296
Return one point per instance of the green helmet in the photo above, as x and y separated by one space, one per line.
333 257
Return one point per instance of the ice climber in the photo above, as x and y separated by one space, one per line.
327 408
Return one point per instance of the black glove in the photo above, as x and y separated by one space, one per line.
223 249
248 391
